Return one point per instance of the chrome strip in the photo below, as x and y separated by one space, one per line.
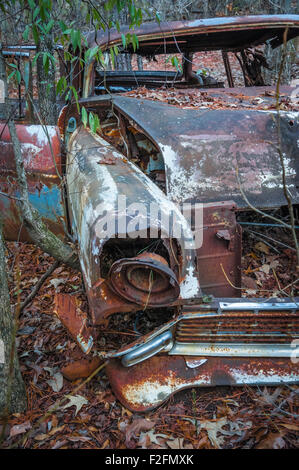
272 306
231 350
147 350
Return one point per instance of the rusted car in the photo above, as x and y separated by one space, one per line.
152 199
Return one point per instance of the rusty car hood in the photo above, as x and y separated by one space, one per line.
205 150
228 33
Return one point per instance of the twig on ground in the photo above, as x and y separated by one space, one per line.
38 285
272 239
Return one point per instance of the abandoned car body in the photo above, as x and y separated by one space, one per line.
152 199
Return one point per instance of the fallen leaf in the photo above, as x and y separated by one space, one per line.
214 428
19 429
262 247
56 383
75 400
59 444
176 443
41 437
146 439
55 282
266 398
274 264
291 427
79 438
55 430
272 441
248 282
136 427
265 268
106 443
26 330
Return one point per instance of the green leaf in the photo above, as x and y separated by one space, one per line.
31 4
139 16
67 96
132 11
123 38
62 26
36 12
135 42
94 122
112 56
76 39
35 58
61 86
18 75
73 89
176 64
49 86
35 34
67 56
84 116
11 75
26 33
90 53
91 122
46 62
97 122
49 26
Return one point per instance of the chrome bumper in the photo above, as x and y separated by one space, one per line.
180 338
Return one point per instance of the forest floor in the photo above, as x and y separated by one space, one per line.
211 62
220 417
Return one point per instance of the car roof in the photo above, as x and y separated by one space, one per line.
221 33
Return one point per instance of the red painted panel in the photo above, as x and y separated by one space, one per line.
35 146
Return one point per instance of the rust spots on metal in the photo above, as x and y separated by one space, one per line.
80 369
230 33
202 149
222 243
133 283
107 160
103 302
74 319
36 149
245 327
145 280
145 386
43 164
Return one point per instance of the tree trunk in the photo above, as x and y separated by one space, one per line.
36 228
12 388
140 62
46 82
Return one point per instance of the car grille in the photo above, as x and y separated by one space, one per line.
245 327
